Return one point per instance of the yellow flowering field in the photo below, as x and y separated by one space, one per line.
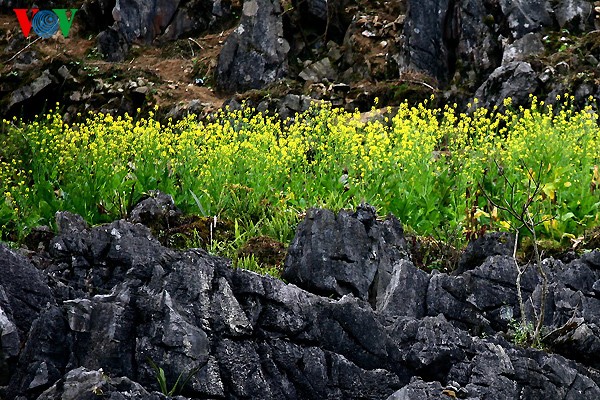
432 168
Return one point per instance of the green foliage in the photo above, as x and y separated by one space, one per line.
249 263
423 165
523 335
162 379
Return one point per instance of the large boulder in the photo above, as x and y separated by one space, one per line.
348 253
488 245
424 31
515 79
24 288
525 16
255 53
83 384
575 15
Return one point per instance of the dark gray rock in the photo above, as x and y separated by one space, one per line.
424 46
84 384
318 71
143 20
334 255
44 356
406 293
255 53
524 48
418 389
490 244
135 21
119 301
476 51
574 15
38 86
442 38
103 332
113 45
24 288
67 222
525 16
477 369
592 259
10 342
157 211
96 15
516 80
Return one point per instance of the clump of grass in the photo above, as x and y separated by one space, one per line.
251 264
423 165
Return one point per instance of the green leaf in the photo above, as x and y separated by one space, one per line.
197 200
567 216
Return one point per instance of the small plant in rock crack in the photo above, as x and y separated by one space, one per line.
523 204
162 379
522 335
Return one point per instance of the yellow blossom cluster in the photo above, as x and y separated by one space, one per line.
423 164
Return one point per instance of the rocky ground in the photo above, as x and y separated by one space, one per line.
94 311
196 55
90 310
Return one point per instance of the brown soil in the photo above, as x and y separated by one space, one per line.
175 65
266 250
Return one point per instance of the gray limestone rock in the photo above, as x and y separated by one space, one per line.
118 302
516 80
255 53
345 253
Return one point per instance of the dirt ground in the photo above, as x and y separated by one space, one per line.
176 66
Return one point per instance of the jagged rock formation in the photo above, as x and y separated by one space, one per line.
86 318
255 54
148 21
344 52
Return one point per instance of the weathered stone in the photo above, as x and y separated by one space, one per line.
319 71
523 48
126 302
45 81
425 49
574 15
10 343
417 389
25 289
406 293
157 211
44 356
490 244
67 222
255 53
113 45
516 80
525 16
84 384
348 261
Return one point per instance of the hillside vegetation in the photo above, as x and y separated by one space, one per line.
441 172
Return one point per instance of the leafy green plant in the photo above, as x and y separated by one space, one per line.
162 379
422 165
524 334
249 263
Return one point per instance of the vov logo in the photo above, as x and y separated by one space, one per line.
45 22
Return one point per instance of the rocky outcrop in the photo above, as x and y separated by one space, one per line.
149 21
394 51
255 54
108 302
516 80
356 260
76 87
